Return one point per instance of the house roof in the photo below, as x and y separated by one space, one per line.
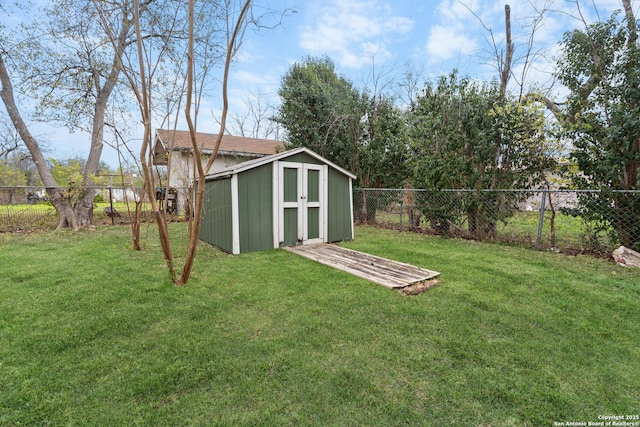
268 159
179 140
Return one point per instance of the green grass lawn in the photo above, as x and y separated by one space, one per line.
573 234
93 333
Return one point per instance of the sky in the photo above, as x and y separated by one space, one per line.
374 42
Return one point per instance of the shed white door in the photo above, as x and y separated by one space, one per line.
301 203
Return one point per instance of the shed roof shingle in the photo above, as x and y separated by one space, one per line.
180 140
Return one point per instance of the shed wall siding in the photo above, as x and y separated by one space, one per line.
216 226
249 194
255 208
339 207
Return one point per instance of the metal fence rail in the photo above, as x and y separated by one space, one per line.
545 219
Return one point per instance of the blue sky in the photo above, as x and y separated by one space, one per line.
378 38
374 41
434 36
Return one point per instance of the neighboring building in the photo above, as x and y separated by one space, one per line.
291 198
233 150
558 181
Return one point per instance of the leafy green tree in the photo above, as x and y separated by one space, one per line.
384 148
381 155
66 173
600 65
10 176
322 111
366 135
471 135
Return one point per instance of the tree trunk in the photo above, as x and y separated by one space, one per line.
137 219
62 204
144 99
199 201
506 69
84 205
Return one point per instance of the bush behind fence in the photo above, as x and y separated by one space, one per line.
582 221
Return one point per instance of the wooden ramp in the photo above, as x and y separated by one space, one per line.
385 272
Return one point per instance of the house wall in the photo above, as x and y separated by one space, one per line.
216 225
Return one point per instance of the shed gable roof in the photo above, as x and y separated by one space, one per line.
278 156
179 140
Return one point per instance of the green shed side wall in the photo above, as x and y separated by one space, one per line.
339 221
255 208
216 225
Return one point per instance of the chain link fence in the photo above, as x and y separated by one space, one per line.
587 221
28 208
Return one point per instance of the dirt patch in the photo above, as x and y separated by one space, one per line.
418 288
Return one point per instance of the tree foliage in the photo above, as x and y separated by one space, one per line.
384 149
600 67
364 134
10 176
322 111
470 135
326 113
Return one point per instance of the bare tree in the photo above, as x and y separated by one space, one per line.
9 137
256 121
231 46
67 59
141 70
72 74
505 55
61 203
409 85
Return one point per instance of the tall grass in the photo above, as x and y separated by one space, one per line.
93 333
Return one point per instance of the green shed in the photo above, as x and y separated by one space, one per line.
291 198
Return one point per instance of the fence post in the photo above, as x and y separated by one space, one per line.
541 219
113 217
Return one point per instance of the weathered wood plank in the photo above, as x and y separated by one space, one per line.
398 269
388 273
404 271
367 266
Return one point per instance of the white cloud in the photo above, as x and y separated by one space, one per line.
457 31
448 42
454 11
350 30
